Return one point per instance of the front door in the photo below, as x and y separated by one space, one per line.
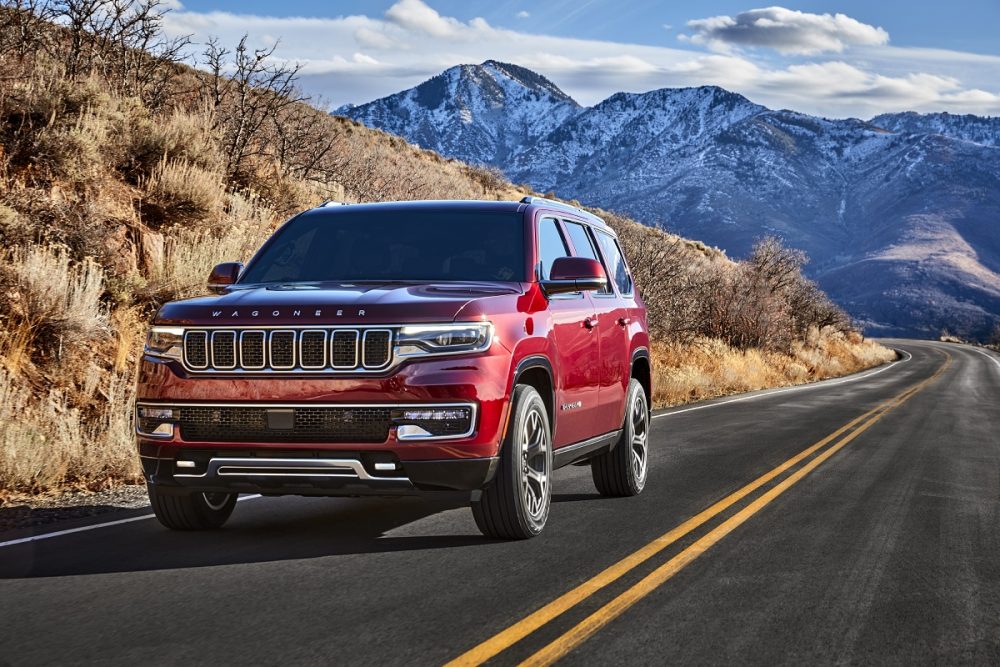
611 328
576 355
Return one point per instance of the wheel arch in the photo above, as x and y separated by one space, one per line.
536 371
642 370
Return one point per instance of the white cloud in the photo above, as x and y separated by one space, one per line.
785 30
523 14
358 58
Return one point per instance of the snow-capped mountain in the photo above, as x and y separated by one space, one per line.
900 215
977 129
482 113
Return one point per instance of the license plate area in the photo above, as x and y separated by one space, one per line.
280 419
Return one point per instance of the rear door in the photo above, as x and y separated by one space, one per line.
612 306
576 354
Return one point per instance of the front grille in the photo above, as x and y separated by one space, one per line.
251 424
291 350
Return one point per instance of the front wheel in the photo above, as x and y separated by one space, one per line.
194 511
515 506
622 471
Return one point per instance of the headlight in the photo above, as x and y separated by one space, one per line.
444 339
165 342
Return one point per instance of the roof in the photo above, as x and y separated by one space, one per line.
463 204
428 205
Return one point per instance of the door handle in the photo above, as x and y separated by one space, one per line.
624 321
590 322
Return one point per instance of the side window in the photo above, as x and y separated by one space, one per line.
615 263
583 245
551 246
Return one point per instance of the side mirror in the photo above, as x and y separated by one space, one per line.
575 274
224 274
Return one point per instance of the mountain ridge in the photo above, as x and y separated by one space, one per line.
896 212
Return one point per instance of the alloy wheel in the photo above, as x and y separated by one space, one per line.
639 416
534 465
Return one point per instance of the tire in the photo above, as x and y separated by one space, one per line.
515 506
622 471
195 511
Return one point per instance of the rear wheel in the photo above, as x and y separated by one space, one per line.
622 471
194 511
515 506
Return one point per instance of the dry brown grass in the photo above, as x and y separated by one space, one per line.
708 368
46 443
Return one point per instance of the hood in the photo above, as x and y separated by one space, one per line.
323 304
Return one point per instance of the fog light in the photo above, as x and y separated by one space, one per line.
412 432
419 423
165 430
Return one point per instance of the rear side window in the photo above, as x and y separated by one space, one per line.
551 246
615 263
583 245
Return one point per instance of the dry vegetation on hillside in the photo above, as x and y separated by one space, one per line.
124 176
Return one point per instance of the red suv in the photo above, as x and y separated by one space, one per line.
386 349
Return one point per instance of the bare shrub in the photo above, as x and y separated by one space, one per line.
46 444
181 136
52 301
492 179
248 92
180 193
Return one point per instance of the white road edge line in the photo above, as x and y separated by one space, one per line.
988 356
95 526
803 387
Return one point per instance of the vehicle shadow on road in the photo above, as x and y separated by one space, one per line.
272 531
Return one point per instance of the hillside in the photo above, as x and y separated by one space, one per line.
126 175
898 215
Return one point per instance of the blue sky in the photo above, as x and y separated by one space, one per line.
848 58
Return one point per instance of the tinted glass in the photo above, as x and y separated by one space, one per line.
583 245
615 263
550 245
394 245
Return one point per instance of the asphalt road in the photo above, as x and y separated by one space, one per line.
874 536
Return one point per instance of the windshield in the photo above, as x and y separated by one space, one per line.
394 245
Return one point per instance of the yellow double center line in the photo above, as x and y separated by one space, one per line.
586 628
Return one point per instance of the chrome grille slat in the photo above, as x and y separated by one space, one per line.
344 348
196 349
253 354
299 350
312 349
376 348
281 350
224 350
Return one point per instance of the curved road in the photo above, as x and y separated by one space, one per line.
844 522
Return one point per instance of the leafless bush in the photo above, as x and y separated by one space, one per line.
179 193
249 93
491 178
25 27
51 301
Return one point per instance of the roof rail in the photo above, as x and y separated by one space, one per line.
563 205
332 202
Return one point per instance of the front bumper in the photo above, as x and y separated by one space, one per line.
464 461
306 472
